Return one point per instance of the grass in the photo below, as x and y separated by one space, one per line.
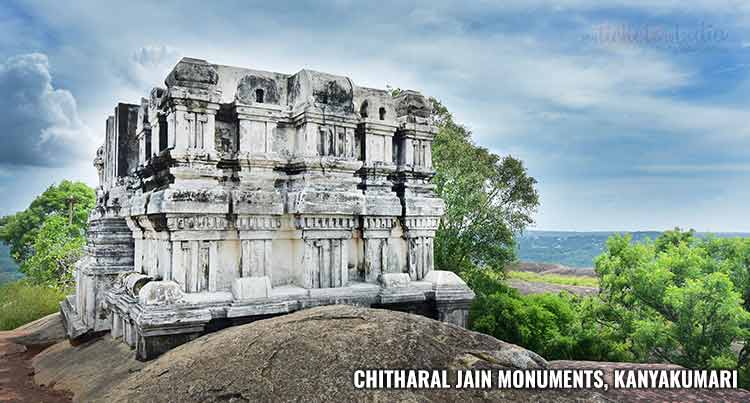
554 279
21 303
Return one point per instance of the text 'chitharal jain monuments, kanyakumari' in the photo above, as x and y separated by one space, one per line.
235 195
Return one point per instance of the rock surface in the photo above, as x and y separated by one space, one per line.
17 348
42 332
306 356
312 355
88 370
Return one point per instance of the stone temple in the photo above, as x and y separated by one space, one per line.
234 195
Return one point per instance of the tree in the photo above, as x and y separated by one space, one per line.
57 247
20 230
678 299
489 199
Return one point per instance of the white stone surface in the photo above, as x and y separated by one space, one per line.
251 288
395 280
442 278
160 293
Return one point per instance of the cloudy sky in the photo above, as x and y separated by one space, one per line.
631 116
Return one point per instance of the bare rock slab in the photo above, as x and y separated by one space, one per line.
88 370
311 356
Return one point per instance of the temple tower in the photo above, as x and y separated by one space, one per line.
232 194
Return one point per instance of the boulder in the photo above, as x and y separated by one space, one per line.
311 356
87 370
41 332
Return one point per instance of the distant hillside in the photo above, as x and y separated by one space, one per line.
576 249
8 267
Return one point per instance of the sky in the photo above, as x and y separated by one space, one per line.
631 115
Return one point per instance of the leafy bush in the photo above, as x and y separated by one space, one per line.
556 326
678 299
21 303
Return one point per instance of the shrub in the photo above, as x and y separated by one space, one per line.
22 302
556 326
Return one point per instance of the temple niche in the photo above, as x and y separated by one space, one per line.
234 194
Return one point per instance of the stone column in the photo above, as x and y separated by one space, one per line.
256 234
192 128
139 242
326 250
420 235
143 130
376 233
382 205
256 201
422 207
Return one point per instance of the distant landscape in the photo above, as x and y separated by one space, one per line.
566 248
8 267
578 249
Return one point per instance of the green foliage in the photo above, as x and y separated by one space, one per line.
20 230
489 199
57 247
678 299
673 238
556 326
21 303
43 239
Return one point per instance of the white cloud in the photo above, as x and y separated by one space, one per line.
519 73
148 66
41 125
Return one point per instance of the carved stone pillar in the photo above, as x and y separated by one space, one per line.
326 249
256 234
376 234
194 128
143 133
420 235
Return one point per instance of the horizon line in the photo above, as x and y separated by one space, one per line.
638 230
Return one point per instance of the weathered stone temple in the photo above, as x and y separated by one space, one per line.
234 194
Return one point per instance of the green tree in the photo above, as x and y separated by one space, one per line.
674 238
678 299
489 199
20 230
57 247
